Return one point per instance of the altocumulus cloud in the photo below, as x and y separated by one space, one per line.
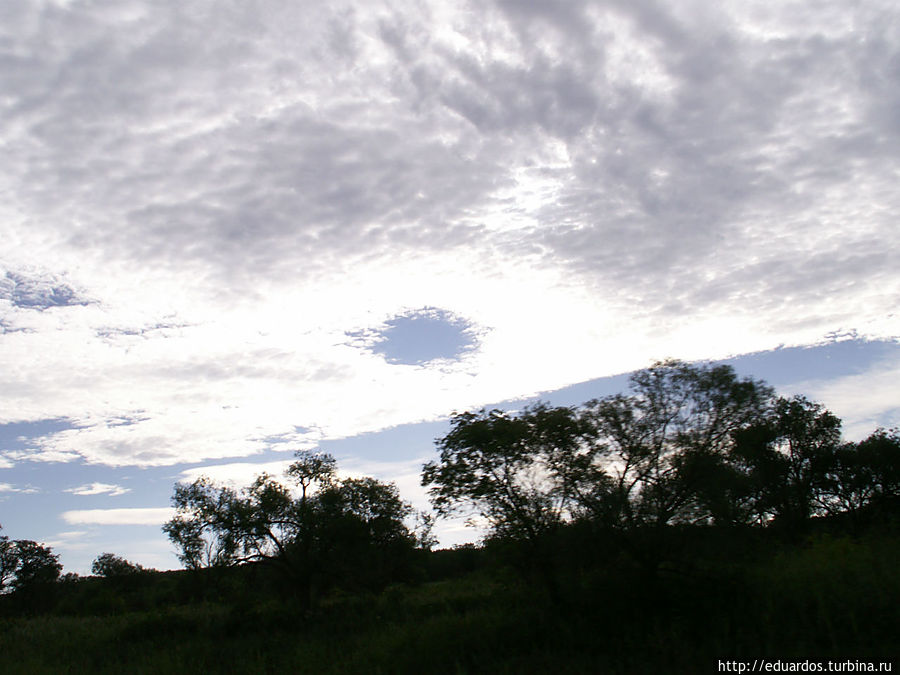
202 200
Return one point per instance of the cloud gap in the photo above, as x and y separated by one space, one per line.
421 337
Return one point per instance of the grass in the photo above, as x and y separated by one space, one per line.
834 597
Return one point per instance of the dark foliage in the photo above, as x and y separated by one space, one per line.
26 566
111 565
691 444
348 532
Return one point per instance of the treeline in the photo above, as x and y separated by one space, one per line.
31 581
689 444
686 472
630 477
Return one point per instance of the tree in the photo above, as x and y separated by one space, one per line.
203 529
298 534
360 537
25 564
665 443
509 469
881 453
423 530
372 504
719 493
36 565
311 468
218 526
518 472
9 562
786 457
111 565
864 475
651 457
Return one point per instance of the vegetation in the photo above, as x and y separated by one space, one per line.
111 565
26 565
350 530
696 518
689 445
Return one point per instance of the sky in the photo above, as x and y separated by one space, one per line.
230 230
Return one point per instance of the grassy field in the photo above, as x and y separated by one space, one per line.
831 597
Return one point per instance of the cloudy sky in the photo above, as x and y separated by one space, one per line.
233 229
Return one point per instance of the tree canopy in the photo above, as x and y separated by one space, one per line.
688 443
26 564
308 536
111 565
513 470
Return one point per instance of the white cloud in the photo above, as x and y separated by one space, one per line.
99 489
7 487
201 206
864 401
130 516
72 540
236 474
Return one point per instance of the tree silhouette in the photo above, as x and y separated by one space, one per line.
880 454
521 473
307 536
111 565
311 468
655 456
511 470
786 457
688 444
9 562
36 565
861 477
203 527
666 442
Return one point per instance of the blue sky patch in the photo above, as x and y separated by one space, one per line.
21 435
421 336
